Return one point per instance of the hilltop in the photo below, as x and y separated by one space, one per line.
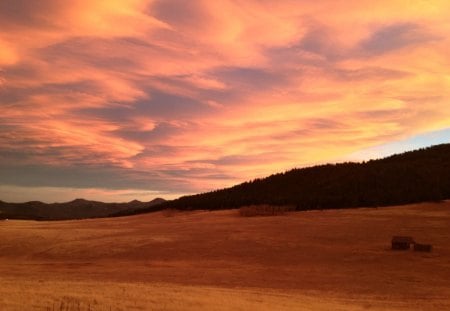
411 177
76 209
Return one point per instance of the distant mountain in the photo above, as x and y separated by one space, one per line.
415 176
76 209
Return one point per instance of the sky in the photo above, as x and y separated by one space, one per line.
118 100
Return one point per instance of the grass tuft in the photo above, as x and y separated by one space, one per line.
265 210
169 212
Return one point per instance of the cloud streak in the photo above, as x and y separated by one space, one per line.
181 97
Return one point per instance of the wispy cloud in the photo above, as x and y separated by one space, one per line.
186 96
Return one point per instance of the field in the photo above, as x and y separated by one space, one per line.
318 260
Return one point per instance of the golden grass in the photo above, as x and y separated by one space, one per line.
90 295
328 260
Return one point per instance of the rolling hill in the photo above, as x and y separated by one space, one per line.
76 209
415 176
336 260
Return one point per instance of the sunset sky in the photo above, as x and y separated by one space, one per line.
118 100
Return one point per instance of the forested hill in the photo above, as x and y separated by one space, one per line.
76 209
415 176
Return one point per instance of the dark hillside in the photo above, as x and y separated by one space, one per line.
76 209
415 176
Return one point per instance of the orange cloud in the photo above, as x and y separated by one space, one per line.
7 54
189 96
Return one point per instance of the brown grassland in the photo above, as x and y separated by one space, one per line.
318 260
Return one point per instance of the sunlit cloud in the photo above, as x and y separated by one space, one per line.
177 97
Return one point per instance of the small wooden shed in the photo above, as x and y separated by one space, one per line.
422 247
402 242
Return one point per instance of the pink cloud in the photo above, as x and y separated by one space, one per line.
215 92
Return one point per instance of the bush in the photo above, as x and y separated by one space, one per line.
265 210
169 212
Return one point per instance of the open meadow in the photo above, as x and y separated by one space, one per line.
200 260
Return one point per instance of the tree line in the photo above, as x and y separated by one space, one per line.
415 176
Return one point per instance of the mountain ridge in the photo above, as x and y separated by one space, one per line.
75 209
411 177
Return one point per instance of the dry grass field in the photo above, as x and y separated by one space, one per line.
318 260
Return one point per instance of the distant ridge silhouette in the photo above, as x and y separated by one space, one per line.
411 177
76 209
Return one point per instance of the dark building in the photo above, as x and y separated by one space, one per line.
402 242
422 247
